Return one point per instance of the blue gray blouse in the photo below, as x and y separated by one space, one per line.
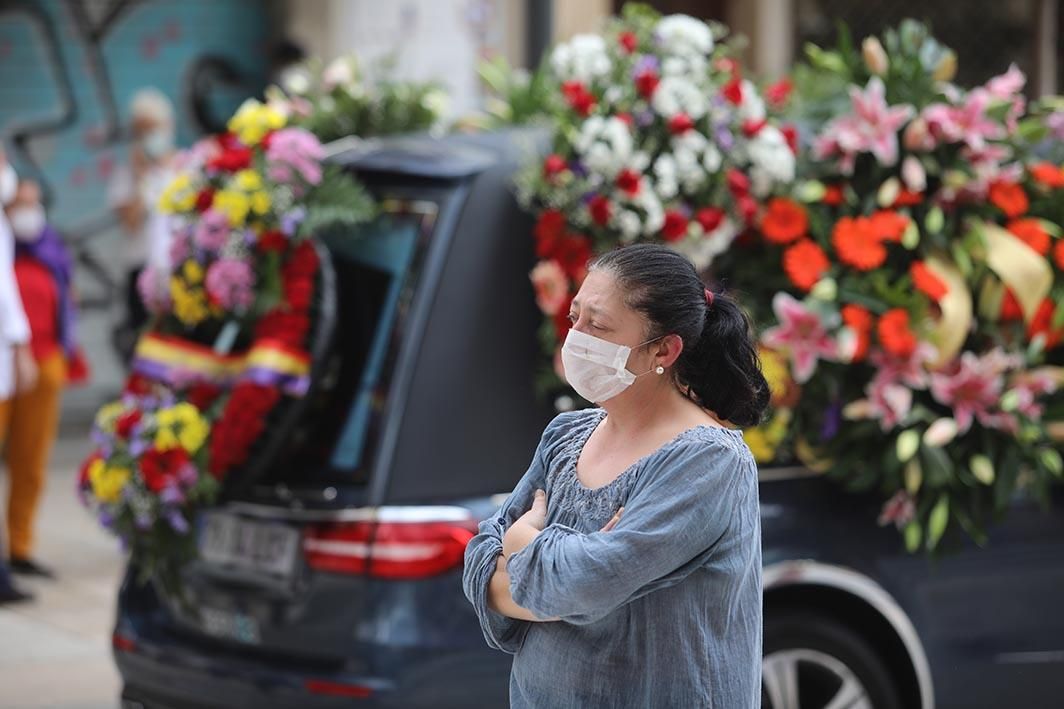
664 610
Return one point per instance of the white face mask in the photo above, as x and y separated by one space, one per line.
8 183
157 143
27 223
595 368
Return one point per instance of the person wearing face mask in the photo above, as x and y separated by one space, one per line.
43 273
17 369
625 568
134 193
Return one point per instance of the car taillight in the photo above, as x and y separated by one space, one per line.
388 549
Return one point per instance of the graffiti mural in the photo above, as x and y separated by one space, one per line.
68 69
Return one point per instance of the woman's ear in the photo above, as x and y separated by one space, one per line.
669 350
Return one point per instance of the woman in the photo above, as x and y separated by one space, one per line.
43 273
625 568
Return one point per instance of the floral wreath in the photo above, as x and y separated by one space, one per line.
657 137
233 314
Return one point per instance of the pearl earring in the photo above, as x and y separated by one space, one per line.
660 369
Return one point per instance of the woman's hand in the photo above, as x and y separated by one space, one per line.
526 527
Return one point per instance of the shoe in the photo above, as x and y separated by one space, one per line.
10 594
28 567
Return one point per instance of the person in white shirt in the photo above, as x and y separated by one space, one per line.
18 371
134 193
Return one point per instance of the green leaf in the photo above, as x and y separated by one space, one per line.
910 238
935 220
914 476
907 444
936 523
1050 458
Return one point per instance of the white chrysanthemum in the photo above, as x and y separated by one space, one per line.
772 161
676 95
753 106
582 58
665 177
605 145
629 224
701 251
712 158
683 35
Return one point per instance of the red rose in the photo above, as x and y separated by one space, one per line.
628 181
549 228
298 294
627 118
646 83
160 468
752 127
202 395
709 218
599 206
579 98
675 226
267 140
573 253
748 208
553 164
738 183
83 471
680 124
790 134
137 384
272 241
628 41
204 200
833 195
733 91
241 423
125 423
778 93
303 261
231 159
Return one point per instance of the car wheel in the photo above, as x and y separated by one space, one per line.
815 662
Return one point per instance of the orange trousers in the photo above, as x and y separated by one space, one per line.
29 423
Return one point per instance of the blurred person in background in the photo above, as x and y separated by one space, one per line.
134 193
43 272
17 369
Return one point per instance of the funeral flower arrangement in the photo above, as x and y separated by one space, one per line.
233 312
915 275
657 137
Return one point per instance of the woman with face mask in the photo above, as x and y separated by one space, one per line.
30 419
134 192
625 568
17 369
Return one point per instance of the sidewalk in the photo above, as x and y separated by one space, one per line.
55 651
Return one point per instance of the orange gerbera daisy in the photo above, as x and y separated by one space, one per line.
1009 198
833 195
889 225
908 198
804 263
894 333
857 244
1058 254
1048 174
927 282
785 221
859 320
1031 232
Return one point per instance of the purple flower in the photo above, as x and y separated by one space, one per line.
832 420
231 282
107 520
644 118
177 521
171 495
137 447
187 475
578 168
725 139
291 220
143 522
645 63
212 230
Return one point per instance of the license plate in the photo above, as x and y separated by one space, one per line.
248 545
229 625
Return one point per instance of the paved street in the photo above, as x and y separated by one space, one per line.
56 651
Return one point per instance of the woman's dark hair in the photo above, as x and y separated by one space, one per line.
719 368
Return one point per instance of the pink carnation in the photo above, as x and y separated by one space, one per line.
154 290
212 230
294 151
231 283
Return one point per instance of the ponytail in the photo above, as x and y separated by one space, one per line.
719 368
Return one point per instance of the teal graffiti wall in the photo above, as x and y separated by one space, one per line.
68 69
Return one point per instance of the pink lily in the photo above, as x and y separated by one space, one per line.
802 334
972 388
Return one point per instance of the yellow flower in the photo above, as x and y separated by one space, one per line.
247 180
190 306
253 120
192 272
107 483
108 414
233 204
261 202
179 195
763 440
181 425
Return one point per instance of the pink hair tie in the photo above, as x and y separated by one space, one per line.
709 298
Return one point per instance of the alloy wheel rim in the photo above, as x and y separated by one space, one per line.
802 678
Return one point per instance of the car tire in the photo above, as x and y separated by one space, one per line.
812 660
